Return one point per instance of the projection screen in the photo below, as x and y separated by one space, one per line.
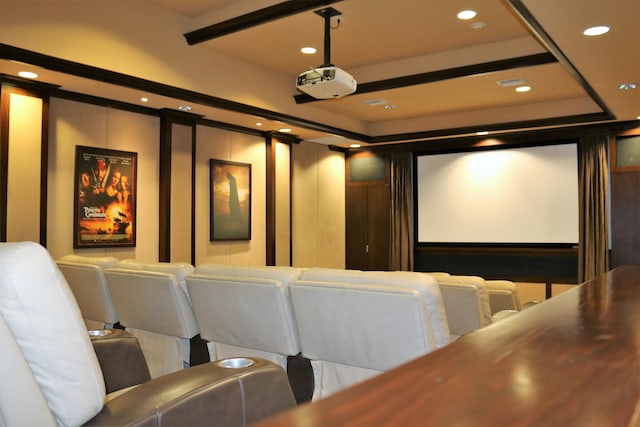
499 196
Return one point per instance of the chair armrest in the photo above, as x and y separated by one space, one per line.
203 395
120 357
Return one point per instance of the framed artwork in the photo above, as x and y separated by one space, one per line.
105 198
230 200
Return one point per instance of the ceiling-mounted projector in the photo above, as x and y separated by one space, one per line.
326 82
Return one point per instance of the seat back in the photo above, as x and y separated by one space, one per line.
42 331
466 301
86 278
245 311
353 326
153 306
503 295
248 314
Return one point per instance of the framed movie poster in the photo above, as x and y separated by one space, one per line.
105 198
230 200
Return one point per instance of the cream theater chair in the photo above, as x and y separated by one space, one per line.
51 376
85 276
354 325
153 306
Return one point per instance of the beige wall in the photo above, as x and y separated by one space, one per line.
23 177
309 210
318 206
230 146
181 143
73 123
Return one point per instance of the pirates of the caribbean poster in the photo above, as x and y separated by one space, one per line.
105 198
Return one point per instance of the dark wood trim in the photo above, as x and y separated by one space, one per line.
270 202
164 189
446 74
613 155
252 19
167 119
463 143
44 169
112 77
496 127
106 76
4 159
194 163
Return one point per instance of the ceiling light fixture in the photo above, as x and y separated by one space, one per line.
390 107
355 146
482 133
308 50
628 86
284 130
184 108
465 15
523 88
144 99
596 31
28 74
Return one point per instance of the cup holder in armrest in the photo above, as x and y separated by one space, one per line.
235 363
100 332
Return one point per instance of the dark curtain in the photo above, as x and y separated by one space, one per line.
593 257
401 241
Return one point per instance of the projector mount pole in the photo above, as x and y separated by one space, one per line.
327 14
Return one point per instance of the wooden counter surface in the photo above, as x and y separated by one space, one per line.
573 360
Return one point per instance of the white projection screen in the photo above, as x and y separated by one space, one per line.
499 196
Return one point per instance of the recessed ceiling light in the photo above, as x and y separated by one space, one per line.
184 108
144 99
28 74
284 130
355 146
258 124
628 86
467 14
523 88
596 31
482 133
308 50
374 102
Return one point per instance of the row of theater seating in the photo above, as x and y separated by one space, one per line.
350 324
54 374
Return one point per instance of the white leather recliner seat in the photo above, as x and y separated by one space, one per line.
245 311
354 325
85 276
152 305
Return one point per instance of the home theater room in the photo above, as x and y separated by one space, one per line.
320 213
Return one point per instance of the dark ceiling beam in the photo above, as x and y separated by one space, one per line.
534 26
521 126
252 19
446 74
124 80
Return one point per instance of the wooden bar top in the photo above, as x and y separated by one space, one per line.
573 360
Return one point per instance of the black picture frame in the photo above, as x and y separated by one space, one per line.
105 183
230 196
